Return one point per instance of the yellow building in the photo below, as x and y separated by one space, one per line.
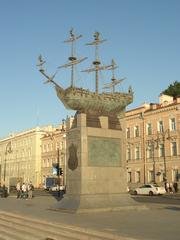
20 156
153 142
53 152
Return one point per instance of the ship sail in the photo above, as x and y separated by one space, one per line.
74 62
72 59
114 81
96 62
113 84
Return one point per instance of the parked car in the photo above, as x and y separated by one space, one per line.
56 188
149 189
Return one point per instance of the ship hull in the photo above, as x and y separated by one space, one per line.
85 101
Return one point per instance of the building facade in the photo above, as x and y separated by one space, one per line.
153 142
53 154
20 156
152 148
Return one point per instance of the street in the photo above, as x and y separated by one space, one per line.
160 220
173 199
159 199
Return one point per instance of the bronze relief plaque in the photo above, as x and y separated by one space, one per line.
104 152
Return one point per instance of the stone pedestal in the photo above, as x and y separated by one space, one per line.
96 167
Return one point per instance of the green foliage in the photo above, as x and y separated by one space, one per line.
173 89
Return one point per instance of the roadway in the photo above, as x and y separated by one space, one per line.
173 199
160 221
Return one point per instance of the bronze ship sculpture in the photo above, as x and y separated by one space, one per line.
83 100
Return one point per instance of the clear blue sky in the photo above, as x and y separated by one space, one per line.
143 37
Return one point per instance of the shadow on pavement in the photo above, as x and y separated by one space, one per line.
57 195
174 208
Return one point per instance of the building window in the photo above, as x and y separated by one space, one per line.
128 133
57 145
48 162
173 124
44 163
129 177
160 126
175 175
149 129
30 152
149 151
161 150
128 156
136 131
151 176
48 147
23 153
174 148
45 149
161 175
137 153
137 176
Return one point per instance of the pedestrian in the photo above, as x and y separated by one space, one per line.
4 191
18 189
24 191
170 187
30 190
175 185
167 186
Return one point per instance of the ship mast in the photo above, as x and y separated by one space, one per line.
114 81
96 62
72 59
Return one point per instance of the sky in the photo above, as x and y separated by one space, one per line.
143 37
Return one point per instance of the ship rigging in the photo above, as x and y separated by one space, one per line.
83 100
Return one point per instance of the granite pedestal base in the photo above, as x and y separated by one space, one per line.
96 166
97 203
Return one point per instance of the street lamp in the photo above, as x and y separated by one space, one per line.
8 149
141 116
58 171
151 143
57 165
162 136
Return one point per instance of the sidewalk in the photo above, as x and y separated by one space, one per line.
172 195
159 222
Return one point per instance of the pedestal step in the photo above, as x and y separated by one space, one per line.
17 227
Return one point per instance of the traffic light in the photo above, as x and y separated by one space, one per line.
58 170
61 171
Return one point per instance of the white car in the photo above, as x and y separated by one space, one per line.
150 189
56 188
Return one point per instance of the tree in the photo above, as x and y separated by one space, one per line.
173 90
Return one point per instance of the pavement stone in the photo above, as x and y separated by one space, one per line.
159 222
